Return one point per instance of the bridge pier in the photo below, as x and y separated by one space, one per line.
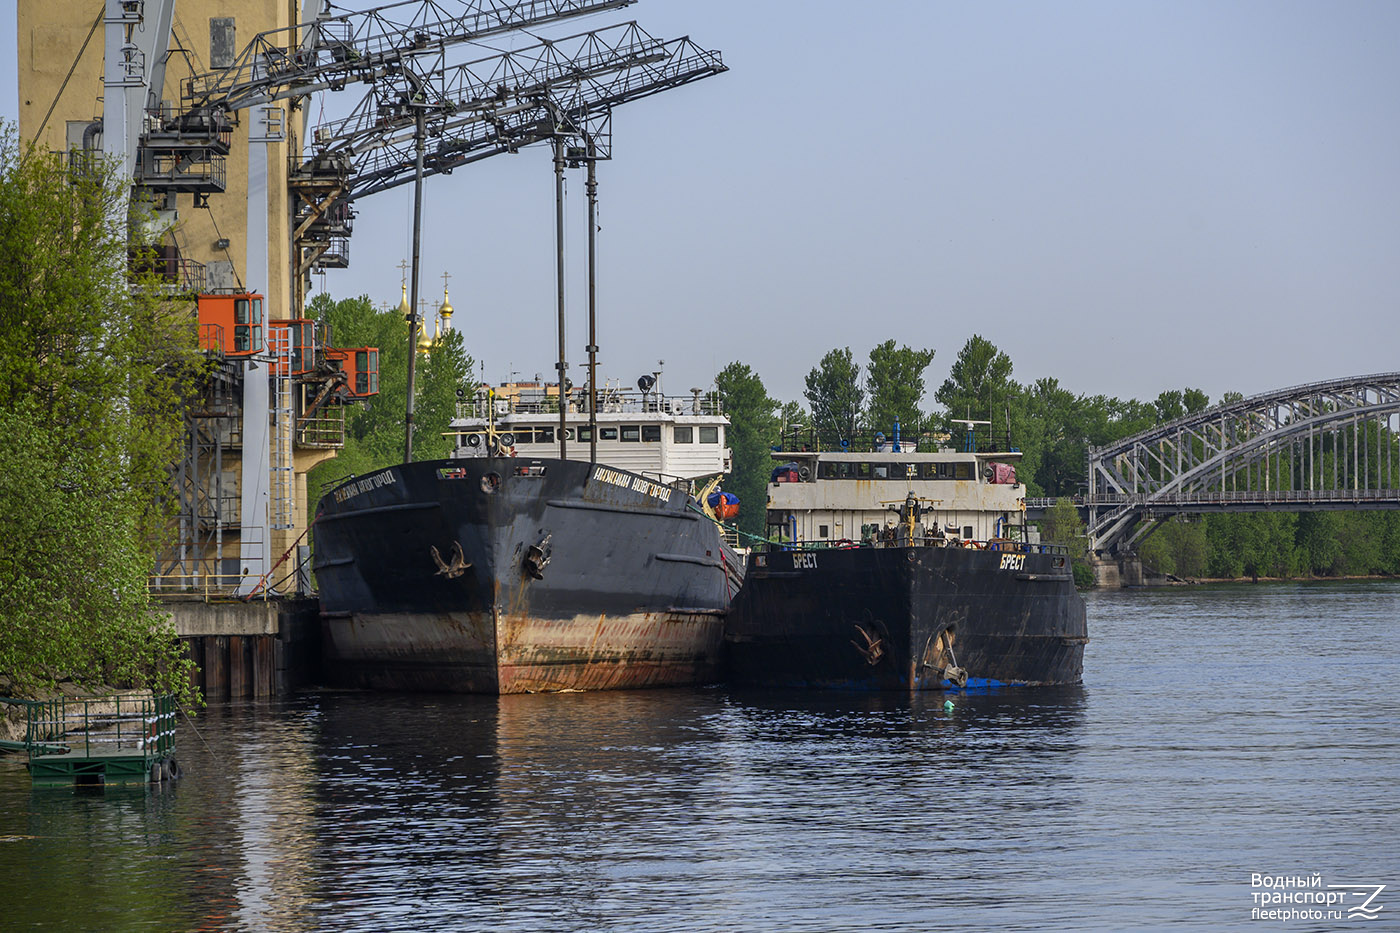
1118 571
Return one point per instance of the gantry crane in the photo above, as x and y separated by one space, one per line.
550 92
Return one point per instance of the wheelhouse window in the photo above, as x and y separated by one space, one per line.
585 434
947 470
607 434
709 434
631 433
651 433
683 434
544 435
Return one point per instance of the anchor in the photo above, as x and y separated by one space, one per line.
873 649
459 563
537 557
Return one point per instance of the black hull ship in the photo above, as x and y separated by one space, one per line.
941 584
515 575
906 618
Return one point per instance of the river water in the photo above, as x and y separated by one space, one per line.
1221 731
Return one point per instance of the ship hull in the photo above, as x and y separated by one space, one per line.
548 576
899 618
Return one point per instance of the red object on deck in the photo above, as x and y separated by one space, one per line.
1001 474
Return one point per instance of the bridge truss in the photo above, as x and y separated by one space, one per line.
1324 446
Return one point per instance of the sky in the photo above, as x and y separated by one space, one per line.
1129 197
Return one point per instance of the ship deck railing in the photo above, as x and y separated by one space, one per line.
801 441
610 401
107 739
1003 546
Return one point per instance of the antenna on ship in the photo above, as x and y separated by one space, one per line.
970 435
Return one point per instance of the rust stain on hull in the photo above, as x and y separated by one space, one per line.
519 653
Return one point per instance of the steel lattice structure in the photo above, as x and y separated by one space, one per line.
331 51
1324 446
508 101
471 111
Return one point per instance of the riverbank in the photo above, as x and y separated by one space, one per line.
1173 580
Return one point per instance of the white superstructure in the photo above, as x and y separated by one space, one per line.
829 497
645 432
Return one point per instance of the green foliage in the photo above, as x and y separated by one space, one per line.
894 382
1170 406
979 383
1083 575
753 424
793 419
1254 544
375 433
91 377
1061 525
835 395
1195 400
1176 547
1319 542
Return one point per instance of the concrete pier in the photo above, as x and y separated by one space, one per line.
251 650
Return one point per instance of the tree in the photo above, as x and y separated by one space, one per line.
753 423
375 435
978 383
1195 400
1170 406
894 383
1176 547
1061 525
835 396
92 373
1059 470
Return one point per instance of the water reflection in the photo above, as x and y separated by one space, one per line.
368 811
1199 751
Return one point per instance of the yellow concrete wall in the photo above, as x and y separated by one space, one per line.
51 36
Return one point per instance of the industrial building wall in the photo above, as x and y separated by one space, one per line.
59 63
51 35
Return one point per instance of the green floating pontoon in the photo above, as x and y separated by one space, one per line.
100 740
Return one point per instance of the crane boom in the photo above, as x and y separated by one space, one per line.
567 107
477 90
331 51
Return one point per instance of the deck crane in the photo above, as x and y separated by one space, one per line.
553 91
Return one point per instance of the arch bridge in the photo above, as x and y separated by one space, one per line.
1324 446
